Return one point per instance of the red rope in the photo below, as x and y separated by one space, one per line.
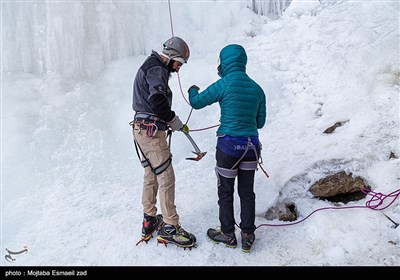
172 32
170 18
187 120
265 172
377 198
205 128
179 78
180 87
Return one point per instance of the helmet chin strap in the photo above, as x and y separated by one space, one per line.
168 61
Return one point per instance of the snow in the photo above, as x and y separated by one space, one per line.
71 182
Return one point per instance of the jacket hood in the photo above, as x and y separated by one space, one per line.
232 58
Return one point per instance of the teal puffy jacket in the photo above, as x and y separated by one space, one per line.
242 100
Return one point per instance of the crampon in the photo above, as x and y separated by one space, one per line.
145 238
150 225
176 235
165 242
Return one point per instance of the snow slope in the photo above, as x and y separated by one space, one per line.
71 181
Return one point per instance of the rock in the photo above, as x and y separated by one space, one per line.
284 211
340 187
331 129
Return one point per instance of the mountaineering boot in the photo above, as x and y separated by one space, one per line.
247 241
216 235
176 235
150 224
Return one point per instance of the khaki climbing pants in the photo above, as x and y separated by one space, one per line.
156 150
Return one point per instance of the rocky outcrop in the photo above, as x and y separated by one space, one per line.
340 187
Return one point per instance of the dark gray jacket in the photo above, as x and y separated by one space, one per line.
151 93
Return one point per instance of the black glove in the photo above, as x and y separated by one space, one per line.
193 87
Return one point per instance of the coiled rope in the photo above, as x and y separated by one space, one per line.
376 203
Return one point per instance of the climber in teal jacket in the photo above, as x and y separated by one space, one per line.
241 99
243 112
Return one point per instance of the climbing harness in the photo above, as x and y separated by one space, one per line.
151 130
245 165
249 165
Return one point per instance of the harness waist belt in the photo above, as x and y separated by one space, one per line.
147 116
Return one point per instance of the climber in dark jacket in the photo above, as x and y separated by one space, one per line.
152 100
243 112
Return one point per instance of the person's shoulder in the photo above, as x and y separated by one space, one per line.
154 63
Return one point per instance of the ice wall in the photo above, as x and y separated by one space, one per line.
70 38
274 9
77 38
270 8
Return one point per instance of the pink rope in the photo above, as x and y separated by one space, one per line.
170 18
377 199
179 78
205 128
172 32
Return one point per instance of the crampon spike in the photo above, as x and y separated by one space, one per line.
162 242
189 248
145 239
141 240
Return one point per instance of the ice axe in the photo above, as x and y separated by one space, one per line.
199 154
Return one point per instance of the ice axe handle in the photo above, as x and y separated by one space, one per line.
199 153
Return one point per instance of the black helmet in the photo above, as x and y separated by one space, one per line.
177 49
